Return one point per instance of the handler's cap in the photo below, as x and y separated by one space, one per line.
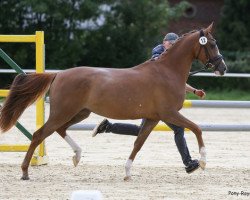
171 37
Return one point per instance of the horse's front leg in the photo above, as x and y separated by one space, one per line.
176 118
146 129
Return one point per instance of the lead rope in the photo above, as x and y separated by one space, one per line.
197 71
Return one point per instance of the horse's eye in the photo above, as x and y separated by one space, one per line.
212 46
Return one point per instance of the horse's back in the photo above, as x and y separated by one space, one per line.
102 90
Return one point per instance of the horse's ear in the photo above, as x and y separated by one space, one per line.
210 28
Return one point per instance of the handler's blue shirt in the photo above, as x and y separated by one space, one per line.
158 50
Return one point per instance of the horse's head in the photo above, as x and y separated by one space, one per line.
208 52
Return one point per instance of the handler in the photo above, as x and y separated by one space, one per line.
130 129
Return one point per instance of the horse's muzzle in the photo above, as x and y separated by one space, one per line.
221 69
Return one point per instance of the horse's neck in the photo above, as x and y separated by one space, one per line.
180 56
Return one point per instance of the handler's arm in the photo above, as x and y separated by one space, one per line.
199 93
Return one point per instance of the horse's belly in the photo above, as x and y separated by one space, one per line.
123 107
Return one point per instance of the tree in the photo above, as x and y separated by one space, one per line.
234 35
112 33
130 30
234 28
59 19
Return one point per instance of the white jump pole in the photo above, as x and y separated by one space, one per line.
215 104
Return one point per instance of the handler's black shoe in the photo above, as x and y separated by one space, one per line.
192 166
101 127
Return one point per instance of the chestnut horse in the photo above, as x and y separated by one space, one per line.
153 90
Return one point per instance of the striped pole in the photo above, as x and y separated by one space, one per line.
215 104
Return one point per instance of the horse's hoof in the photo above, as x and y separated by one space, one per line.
75 160
25 178
202 164
127 178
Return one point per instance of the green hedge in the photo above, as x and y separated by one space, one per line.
220 83
237 62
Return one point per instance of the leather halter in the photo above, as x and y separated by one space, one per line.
209 61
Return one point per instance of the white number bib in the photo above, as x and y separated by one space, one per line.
203 40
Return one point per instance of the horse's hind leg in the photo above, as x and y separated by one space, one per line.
176 118
45 131
83 114
55 121
146 129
